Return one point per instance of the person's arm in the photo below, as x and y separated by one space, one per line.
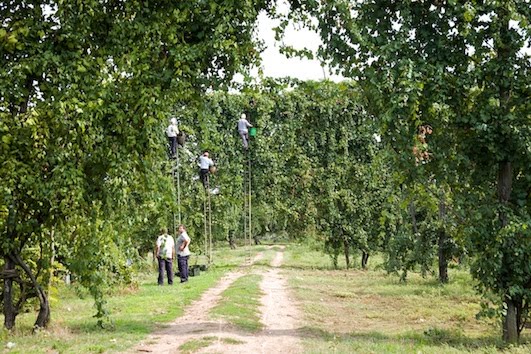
184 244
248 124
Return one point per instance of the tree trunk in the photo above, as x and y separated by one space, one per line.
510 319
347 252
10 313
505 174
510 322
443 259
443 243
364 259
43 318
44 309
503 51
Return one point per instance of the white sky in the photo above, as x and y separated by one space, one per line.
277 65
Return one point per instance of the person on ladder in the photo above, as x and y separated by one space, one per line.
243 126
205 163
172 131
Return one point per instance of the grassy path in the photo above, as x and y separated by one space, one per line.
202 329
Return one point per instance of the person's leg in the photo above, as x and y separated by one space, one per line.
173 145
185 266
203 177
169 271
160 280
243 135
180 266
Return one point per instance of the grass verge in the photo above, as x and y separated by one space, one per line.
194 345
240 303
379 314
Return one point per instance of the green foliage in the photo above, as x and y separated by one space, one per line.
462 67
83 87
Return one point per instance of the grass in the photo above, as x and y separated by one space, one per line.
134 313
240 303
379 314
343 311
196 344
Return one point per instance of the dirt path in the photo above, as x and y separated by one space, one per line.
279 317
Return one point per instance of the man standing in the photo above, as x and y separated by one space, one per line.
204 165
243 126
183 253
165 252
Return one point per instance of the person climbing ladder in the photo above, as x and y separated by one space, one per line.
243 126
172 131
205 163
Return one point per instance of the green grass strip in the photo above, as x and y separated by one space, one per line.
194 345
240 303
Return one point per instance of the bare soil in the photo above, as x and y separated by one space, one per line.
280 319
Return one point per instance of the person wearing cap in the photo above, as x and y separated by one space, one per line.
243 126
204 166
172 131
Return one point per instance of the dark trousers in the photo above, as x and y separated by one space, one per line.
203 174
173 145
165 264
182 262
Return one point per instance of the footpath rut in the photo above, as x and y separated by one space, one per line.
279 319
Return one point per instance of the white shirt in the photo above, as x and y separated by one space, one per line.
172 131
180 240
166 245
205 162
243 124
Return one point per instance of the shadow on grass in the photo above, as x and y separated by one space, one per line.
317 267
431 337
133 326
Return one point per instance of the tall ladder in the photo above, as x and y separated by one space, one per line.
207 221
247 206
177 182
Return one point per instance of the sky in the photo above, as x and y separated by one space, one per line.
277 65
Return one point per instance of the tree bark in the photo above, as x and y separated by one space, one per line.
510 322
347 252
44 306
10 312
43 318
364 259
510 319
